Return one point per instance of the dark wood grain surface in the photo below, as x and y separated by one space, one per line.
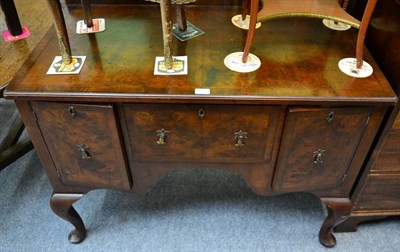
91 127
299 61
380 194
307 131
116 85
389 157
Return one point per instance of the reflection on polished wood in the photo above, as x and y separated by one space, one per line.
300 60
166 24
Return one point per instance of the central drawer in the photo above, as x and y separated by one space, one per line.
201 133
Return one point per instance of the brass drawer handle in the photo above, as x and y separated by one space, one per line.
84 150
162 136
318 156
240 136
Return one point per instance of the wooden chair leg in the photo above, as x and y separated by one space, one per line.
338 210
246 9
62 34
363 30
166 19
252 29
87 12
181 17
61 204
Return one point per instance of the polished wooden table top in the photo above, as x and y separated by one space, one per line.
299 61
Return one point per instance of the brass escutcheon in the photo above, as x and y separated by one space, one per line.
318 156
72 112
84 151
162 136
329 119
240 136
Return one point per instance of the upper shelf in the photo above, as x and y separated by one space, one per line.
328 9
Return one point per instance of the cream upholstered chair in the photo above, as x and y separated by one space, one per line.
324 9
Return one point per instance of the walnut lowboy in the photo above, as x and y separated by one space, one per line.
296 124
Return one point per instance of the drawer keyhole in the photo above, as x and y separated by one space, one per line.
84 151
318 156
202 113
72 112
329 119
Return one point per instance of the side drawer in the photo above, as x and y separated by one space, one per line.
379 192
317 147
84 143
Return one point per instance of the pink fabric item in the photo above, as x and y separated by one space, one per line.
9 38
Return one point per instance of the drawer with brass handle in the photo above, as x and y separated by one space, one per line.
211 133
82 158
317 147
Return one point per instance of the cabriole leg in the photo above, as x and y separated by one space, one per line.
338 210
61 204
61 29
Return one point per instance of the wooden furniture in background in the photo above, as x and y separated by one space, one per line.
118 126
378 192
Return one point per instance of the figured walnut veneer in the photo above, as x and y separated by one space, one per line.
116 125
